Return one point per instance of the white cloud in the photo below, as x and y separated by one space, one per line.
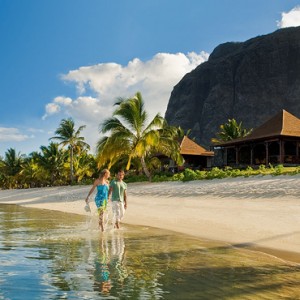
100 85
56 106
51 108
12 135
36 130
63 100
290 19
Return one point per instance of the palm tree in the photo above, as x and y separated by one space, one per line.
70 137
10 167
12 162
52 161
84 166
130 135
230 131
169 142
109 151
31 173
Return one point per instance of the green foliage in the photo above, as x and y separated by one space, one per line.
160 178
296 171
49 167
136 178
216 173
227 172
249 169
262 168
235 173
189 175
249 172
10 168
278 170
132 142
178 177
230 131
69 136
132 137
201 174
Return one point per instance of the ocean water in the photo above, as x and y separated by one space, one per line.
52 255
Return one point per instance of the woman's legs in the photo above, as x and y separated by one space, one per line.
101 220
101 210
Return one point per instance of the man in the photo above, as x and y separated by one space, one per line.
117 190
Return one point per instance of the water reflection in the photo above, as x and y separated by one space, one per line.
102 272
51 255
110 263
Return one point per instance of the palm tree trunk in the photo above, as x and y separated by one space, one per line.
71 165
148 174
128 163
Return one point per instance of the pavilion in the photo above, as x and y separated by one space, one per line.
277 141
195 156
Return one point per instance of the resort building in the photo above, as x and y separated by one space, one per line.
195 156
277 141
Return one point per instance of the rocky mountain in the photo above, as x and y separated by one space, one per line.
249 81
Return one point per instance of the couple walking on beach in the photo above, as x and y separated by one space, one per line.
115 190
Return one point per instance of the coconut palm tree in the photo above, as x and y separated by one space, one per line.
10 168
12 162
52 162
169 142
70 137
230 131
84 166
130 134
31 173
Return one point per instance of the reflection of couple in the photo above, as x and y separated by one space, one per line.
102 273
110 263
118 257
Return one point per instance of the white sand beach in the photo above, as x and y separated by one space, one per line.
259 212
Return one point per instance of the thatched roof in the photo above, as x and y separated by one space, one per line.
282 124
189 147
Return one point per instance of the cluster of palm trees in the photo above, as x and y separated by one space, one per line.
52 165
130 143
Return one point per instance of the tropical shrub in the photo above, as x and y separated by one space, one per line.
189 175
178 177
278 170
216 173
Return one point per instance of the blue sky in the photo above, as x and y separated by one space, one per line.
73 58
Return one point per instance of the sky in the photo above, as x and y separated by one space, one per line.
74 58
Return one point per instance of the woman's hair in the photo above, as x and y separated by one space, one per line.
103 172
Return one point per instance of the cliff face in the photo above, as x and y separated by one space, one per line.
249 81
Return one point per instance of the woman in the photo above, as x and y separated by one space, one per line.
102 194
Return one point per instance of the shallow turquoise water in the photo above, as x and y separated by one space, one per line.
52 255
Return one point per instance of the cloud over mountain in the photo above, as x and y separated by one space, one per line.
290 19
99 86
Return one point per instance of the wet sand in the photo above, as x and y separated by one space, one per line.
261 213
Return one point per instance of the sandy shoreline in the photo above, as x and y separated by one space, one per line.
259 212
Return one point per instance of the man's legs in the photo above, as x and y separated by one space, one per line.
118 212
